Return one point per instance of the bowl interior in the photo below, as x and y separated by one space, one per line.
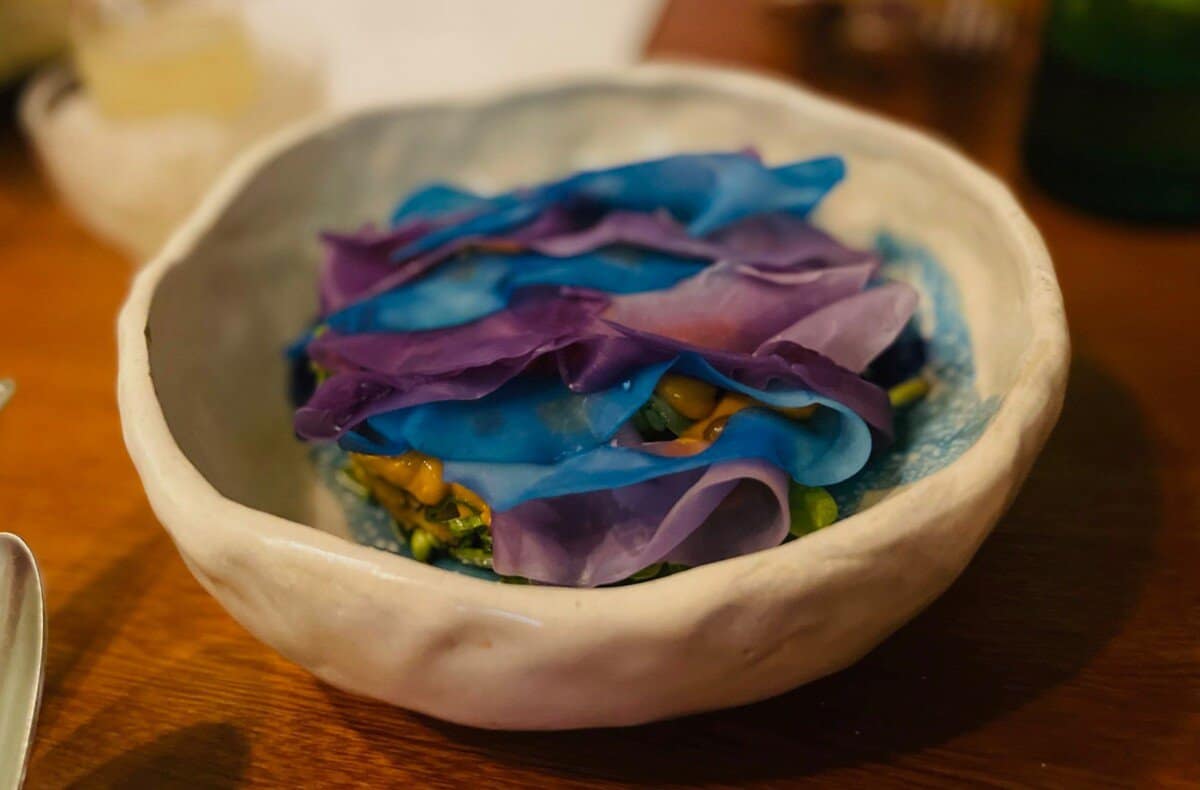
221 317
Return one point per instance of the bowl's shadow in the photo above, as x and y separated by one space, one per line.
212 755
1047 591
81 627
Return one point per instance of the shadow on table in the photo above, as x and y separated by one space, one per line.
207 755
80 628
212 756
1046 592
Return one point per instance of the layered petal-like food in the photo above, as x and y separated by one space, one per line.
607 377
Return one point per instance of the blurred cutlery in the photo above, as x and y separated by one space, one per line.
22 656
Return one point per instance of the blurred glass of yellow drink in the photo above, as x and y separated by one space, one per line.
141 58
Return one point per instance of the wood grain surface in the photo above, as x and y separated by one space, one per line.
1068 654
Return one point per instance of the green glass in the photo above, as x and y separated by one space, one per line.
1114 123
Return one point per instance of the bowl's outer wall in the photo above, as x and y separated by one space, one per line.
208 428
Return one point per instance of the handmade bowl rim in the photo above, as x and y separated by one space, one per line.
177 489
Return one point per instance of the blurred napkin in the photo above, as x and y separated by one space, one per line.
366 51
376 50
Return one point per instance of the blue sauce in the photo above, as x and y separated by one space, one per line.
942 426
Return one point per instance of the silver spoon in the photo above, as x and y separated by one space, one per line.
22 656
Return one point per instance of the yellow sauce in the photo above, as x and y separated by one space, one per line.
406 484
709 428
416 473
474 500
406 510
796 412
690 397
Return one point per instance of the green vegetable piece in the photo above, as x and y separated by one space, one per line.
654 417
467 525
640 424
657 418
908 392
649 572
319 373
422 544
675 422
811 509
480 558
443 511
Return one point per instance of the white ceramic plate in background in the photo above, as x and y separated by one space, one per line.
202 396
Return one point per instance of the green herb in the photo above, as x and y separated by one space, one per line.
649 572
658 570
443 511
641 425
676 422
811 509
470 555
657 417
654 417
465 526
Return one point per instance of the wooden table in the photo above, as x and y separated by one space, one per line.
1067 654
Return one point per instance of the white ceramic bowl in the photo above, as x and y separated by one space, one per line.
206 421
